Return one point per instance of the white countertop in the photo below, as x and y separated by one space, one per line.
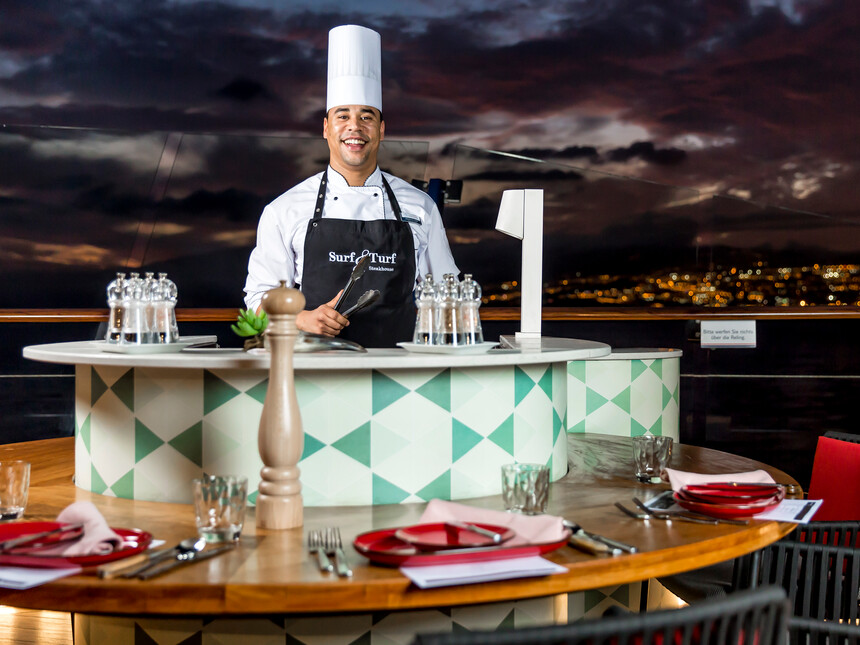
92 352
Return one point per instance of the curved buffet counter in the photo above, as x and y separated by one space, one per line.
381 427
270 586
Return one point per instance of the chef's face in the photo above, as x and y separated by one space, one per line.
353 133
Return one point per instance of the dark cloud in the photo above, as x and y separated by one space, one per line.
646 151
244 90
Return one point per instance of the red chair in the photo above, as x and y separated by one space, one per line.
836 479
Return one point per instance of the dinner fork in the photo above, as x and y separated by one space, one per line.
316 546
649 514
334 548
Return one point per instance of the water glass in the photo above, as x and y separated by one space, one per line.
525 488
14 486
651 456
219 506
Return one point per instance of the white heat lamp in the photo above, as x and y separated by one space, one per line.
521 216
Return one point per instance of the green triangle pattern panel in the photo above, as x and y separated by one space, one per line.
85 433
623 400
386 391
384 492
312 445
656 366
364 639
438 390
545 382
97 484
593 400
637 368
356 444
145 441
577 369
439 488
637 429
124 389
216 392
523 384
189 444
258 392
97 388
503 436
557 426
508 622
667 396
463 439
124 486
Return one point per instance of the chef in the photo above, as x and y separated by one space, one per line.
313 235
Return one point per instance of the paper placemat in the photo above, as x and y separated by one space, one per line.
446 575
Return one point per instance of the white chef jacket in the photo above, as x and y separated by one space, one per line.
279 254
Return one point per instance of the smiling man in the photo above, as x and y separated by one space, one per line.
313 235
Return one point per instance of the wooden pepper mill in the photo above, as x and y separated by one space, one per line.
281 438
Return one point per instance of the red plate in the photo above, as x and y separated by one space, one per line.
730 493
133 541
382 547
728 511
445 536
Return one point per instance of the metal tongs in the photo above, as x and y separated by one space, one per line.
366 299
358 271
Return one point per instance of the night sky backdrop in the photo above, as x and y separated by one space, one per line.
749 99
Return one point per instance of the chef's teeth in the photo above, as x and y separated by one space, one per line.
353 141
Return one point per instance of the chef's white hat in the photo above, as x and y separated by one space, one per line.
354 67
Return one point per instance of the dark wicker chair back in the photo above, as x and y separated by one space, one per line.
822 583
748 617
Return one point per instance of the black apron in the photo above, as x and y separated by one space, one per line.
333 246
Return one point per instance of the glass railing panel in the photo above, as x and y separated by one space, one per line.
70 201
78 205
608 240
775 257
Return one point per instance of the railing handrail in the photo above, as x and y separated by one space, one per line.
493 314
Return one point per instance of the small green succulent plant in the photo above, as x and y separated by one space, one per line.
251 327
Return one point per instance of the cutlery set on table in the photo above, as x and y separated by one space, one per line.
46 545
327 546
459 542
713 503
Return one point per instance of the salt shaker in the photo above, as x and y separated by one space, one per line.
165 324
425 296
446 315
114 301
470 302
134 327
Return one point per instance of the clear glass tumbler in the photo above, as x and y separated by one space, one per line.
525 488
14 487
219 506
651 456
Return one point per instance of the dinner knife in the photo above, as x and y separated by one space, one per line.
194 556
473 528
616 547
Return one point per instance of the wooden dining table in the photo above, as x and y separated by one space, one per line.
271 572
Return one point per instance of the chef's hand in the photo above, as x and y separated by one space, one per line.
322 320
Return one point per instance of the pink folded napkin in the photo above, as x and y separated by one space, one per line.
678 478
529 529
98 538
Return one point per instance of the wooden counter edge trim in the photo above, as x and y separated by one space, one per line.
492 314
234 598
